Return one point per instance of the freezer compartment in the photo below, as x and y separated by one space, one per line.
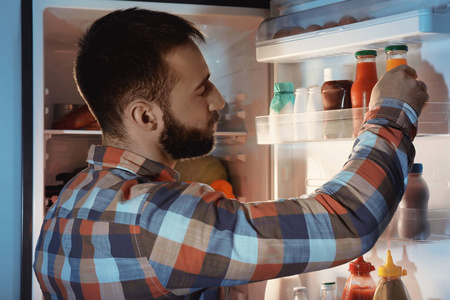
419 225
361 24
338 124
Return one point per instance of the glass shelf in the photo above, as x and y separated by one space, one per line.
339 124
94 133
419 225
375 24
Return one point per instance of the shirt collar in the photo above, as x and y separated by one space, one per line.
102 157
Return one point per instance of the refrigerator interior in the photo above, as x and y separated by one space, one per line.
300 166
230 53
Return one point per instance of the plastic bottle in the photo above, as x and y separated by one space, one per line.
360 285
390 286
395 56
300 293
328 290
336 88
314 121
281 130
365 79
300 106
413 209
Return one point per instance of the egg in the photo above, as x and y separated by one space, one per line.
313 27
330 24
281 33
296 30
347 20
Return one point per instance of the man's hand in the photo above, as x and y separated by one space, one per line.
400 83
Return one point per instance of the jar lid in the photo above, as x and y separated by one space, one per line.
328 285
396 48
342 73
417 168
283 87
366 52
361 266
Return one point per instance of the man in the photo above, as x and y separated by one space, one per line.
126 228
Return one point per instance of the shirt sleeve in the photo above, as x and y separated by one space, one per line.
214 241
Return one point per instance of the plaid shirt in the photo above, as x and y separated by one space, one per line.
126 228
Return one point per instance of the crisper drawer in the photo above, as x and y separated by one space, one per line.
346 27
339 124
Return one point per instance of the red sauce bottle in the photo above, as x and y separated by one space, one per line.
360 285
366 77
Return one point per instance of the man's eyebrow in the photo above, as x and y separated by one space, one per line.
203 82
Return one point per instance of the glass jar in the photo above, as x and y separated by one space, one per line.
300 293
395 56
336 88
328 290
360 285
365 79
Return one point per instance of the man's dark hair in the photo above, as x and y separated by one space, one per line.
121 57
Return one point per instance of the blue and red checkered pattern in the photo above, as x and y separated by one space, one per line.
127 228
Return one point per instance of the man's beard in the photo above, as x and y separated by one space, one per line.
181 142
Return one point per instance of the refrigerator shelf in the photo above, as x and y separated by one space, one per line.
49 133
419 226
404 28
339 124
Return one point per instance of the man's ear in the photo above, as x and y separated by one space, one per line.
143 114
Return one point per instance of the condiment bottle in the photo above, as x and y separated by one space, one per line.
336 88
395 56
314 120
360 285
300 293
282 288
300 106
413 209
365 78
282 103
328 290
390 286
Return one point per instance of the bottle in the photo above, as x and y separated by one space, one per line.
365 79
360 285
314 121
396 56
328 290
300 293
281 130
390 286
300 106
336 88
412 222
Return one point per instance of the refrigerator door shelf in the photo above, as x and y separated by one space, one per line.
339 124
405 28
419 225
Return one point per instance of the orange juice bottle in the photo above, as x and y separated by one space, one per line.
396 56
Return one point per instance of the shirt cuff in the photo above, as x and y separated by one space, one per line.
395 113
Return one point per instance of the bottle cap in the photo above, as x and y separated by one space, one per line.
328 285
283 87
299 290
417 168
366 52
361 266
342 73
301 90
396 48
389 269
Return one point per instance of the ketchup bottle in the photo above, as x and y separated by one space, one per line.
365 78
360 285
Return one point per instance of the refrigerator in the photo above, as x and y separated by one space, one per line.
246 59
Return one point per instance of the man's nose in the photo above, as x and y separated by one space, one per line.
215 100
